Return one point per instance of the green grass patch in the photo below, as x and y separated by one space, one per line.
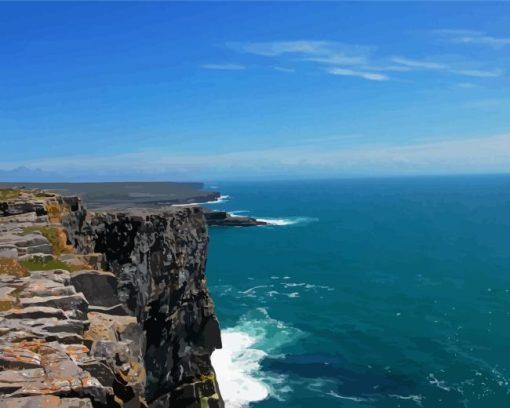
9 193
42 265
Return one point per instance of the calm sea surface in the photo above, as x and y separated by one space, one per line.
365 293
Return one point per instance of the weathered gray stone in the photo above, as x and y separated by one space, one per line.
8 251
45 401
75 305
156 261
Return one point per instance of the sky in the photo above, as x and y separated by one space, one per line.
218 91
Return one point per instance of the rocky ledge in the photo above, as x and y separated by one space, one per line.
107 309
225 219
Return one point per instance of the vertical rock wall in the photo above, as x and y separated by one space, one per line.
159 258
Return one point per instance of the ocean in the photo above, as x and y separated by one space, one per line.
365 293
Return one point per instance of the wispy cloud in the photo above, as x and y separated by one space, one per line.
478 73
472 37
417 64
226 67
321 52
428 65
370 76
329 53
310 49
360 61
482 154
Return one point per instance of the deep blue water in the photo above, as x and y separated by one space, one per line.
375 293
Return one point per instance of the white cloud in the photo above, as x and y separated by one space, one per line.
358 60
412 63
370 76
482 154
477 73
322 52
227 67
472 37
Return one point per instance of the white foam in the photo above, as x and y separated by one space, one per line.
221 199
281 222
345 397
237 364
418 399
238 213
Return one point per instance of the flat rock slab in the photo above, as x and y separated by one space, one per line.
46 287
18 358
75 303
34 312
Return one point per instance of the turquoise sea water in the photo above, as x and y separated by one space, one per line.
368 293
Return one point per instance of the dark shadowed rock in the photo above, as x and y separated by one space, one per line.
143 330
225 219
34 312
99 287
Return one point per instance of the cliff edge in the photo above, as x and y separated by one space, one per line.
106 309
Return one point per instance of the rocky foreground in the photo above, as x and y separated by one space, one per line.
107 309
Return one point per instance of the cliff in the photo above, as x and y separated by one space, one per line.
104 309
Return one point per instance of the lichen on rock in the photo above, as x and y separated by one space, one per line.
124 320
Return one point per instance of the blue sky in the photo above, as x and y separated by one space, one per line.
253 90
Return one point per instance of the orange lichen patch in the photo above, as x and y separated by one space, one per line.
55 211
10 266
5 305
76 351
21 356
31 345
51 401
63 245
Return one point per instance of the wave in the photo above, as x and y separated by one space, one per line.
238 213
288 221
238 363
221 199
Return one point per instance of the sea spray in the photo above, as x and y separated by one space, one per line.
238 364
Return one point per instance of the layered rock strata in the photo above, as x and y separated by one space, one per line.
104 310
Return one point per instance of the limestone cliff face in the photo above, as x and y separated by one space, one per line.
159 258
130 322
